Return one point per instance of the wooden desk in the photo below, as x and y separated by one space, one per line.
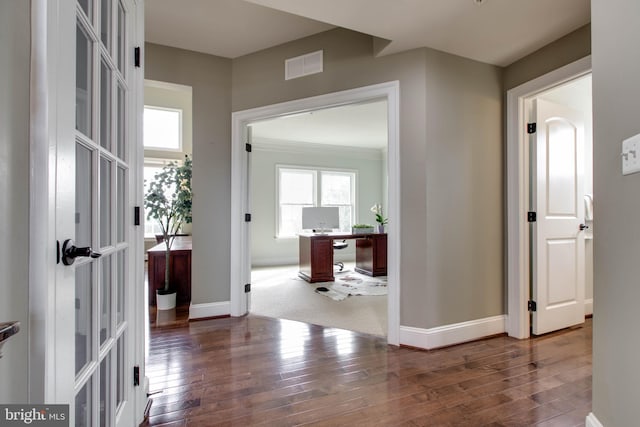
180 265
316 255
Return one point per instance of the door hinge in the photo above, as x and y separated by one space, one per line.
532 306
532 217
136 57
136 376
247 217
57 251
532 127
247 147
247 288
136 215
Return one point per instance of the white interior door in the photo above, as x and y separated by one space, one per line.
249 208
94 125
558 269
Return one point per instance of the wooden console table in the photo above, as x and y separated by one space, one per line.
316 255
180 262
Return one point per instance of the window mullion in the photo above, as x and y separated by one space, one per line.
317 188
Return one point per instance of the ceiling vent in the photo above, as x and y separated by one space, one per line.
303 65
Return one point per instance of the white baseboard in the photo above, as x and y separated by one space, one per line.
592 421
346 255
452 334
588 307
273 262
211 309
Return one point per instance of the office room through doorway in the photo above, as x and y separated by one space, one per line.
331 156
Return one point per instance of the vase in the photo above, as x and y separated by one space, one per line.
380 228
165 300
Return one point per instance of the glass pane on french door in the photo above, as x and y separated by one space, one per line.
102 177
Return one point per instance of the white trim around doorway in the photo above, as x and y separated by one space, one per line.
517 324
240 245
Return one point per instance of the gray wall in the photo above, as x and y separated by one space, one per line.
616 103
265 248
210 78
450 155
464 180
15 36
450 160
570 48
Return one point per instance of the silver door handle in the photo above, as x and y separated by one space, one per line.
70 252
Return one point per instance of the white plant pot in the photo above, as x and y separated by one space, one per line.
166 301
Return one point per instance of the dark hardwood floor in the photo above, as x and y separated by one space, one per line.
261 371
176 317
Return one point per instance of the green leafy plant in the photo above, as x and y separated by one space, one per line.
362 226
168 200
377 210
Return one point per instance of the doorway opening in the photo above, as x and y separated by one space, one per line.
329 158
530 250
241 257
167 139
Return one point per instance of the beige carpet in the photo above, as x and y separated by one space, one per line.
277 292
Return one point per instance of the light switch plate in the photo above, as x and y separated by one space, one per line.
631 155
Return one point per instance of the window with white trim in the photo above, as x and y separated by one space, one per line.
306 187
167 133
162 128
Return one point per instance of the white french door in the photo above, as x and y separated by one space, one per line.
93 99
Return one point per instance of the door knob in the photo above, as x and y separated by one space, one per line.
583 227
70 252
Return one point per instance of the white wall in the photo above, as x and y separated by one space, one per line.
14 195
265 248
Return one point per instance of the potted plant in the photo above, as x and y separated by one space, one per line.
168 200
377 210
362 228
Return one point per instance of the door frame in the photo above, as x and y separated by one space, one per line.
49 123
518 269
240 244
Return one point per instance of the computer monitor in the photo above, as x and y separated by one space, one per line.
321 219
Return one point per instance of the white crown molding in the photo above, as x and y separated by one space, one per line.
456 333
297 147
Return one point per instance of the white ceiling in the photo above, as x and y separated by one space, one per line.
355 125
495 31
227 28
